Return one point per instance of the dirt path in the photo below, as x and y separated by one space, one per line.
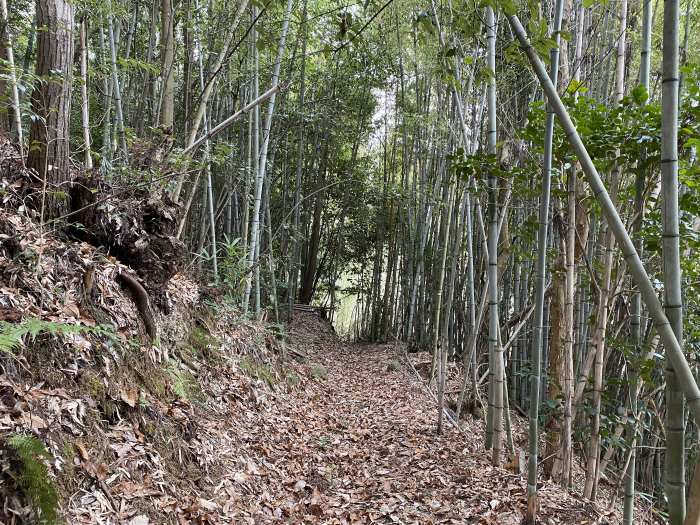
359 446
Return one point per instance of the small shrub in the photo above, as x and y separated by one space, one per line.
257 370
233 267
291 378
393 366
278 330
33 476
200 339
318 371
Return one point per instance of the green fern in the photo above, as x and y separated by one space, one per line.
33 476
11 335
183 383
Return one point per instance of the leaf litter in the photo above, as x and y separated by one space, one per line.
361 447
356 448
214 423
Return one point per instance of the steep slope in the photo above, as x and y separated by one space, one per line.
122 388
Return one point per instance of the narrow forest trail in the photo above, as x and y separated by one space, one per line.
360 446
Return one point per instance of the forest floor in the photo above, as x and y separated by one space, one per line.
359 445
219 419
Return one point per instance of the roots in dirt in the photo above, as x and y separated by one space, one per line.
133 223
134 226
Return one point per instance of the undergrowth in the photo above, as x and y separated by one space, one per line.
201 339
32 476
319 372
12 335
258 370
183 384
266 373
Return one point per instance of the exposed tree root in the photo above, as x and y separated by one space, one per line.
143 304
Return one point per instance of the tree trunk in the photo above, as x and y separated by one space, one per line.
5 109
599 340
308 279
166 117
557 365
636 307
541 276
294 251
6 42
145 108
85 107
254 156
495 349
207 160
48 140
439 342
116 87
255 234
592 469
106 161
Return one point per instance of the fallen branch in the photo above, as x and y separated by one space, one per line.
230 120
445 411
521 320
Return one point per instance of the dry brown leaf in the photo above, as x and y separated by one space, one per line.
98 471
130 396
82 451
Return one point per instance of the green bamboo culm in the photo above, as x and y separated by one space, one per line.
636 307
32 476
494 431
673 305
664 328
541 275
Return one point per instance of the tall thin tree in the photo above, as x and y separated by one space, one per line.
636 307
6 41
295 249
262 167
673 303
541 276
495 348
49 143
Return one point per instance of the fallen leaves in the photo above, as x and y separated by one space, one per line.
361 448
130 396
357 447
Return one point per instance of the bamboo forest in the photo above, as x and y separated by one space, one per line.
338 262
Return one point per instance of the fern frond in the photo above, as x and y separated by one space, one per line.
11 335
33 476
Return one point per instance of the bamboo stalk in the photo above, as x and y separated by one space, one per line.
673 304
230 120
9 52
634 263
541 275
